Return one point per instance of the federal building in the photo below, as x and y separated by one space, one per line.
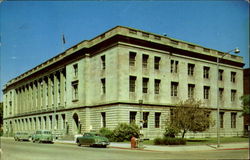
125 75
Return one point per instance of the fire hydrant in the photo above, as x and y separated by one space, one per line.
133 142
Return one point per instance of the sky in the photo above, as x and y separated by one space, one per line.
31 31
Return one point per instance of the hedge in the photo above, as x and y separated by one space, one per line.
169 141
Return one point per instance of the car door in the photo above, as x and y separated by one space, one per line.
83 139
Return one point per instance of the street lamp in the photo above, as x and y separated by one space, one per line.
236 51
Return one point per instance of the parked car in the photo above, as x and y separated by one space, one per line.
92 139
22 136
42 136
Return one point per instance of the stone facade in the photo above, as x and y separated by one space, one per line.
99 82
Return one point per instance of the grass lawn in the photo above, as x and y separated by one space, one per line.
196 141
199 141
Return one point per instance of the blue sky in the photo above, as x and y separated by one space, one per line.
31 32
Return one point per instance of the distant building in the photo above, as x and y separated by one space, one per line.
246 92
124 75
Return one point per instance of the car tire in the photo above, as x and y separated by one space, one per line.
78 143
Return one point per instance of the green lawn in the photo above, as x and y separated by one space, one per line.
199 141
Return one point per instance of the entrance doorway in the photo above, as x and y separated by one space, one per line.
76 124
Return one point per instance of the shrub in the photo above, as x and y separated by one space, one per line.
107 133
158 141
171 131
124 132
169 141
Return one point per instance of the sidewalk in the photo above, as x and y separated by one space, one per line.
225 146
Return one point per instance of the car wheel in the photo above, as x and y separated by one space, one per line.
78 143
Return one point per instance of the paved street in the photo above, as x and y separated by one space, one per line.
12 150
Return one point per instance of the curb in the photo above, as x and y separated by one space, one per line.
234 149
64 143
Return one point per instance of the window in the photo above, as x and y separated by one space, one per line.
221 93
220 75
233 77
206 72
103 62
132 81
75 90
41 84
132 116
233 120
174 66
191 90
157 63
63 121
157 86
51 122
132 56
233 95
75 67
103 114
59 91
144 61
174 89
52 89
145 119
206 92
103 85
57 122
145 85
157 119
221 119
171 115
190 69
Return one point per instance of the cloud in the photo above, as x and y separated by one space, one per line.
13 57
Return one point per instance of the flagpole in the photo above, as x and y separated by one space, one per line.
63 42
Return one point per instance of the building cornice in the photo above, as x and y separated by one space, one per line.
58 110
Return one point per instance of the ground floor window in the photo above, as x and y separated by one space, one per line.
157 119
221 119
132 117
103 119
145 119
233 120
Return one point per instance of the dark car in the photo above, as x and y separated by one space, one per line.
22 136
42 136
92 139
